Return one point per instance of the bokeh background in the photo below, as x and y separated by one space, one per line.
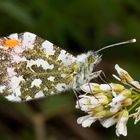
77 26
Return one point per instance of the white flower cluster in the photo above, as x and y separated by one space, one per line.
110 103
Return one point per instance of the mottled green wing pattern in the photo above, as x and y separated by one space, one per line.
33 67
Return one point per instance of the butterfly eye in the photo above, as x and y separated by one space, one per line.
11 43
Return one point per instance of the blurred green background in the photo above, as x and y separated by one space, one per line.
77 26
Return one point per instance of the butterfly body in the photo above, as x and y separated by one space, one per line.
32 67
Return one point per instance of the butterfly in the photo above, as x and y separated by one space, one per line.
31 67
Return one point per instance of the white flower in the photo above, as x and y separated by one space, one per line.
136 115
135 84
87 103
105 87
109 103
126 78
123 74
118 100
87 120
116 104
121 128
115 107
95 88
120 70
89 87
107 122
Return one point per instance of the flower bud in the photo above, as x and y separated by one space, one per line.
125 77
117 87
127 102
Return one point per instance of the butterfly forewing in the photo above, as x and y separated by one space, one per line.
32 67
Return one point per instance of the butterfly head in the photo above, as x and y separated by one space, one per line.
87 61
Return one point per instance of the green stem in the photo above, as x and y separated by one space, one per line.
134 99
134 105
134 92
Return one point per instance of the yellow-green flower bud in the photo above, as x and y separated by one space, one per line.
127 102
117 87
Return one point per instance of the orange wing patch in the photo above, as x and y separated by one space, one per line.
11 43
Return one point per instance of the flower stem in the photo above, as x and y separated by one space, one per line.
134 105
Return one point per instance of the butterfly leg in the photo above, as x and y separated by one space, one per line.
95 75
99 74
75 92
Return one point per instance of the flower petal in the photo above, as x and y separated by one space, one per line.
81 119
121 128
108 122
125 77
105 87
88 122
90 87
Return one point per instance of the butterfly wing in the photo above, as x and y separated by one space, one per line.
32 67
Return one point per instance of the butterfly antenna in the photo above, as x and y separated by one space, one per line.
117 44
